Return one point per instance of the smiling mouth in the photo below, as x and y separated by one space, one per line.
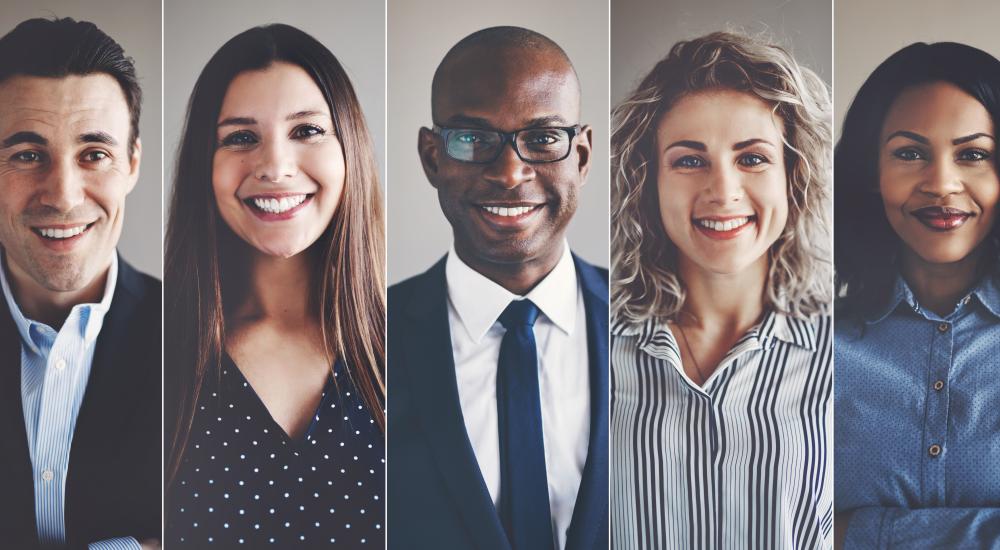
509 211
62 232
941 218
277 204
724 228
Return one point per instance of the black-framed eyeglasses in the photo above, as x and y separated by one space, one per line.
533 145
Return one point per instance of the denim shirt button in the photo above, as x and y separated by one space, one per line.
934 450
943 327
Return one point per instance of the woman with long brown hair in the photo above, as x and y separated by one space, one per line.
275 311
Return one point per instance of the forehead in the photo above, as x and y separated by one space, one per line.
278 90
59 109
722 117
938 109
509 89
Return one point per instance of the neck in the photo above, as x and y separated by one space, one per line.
730 302
518 278
275 289
52 306
939 287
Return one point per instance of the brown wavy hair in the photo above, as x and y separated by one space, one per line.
202 252
645 283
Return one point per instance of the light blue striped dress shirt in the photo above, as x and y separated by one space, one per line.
55 366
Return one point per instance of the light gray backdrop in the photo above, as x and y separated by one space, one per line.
195 29
135 24
642 31
868 32
420 33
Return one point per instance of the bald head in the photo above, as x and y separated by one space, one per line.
504 60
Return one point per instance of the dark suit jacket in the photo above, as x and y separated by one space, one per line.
113 485
437 496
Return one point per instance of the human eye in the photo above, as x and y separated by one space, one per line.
908 154
688 161
469 137
95 156
751 160
307 131
240 139
27 156
975 155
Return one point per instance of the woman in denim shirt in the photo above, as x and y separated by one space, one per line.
917 425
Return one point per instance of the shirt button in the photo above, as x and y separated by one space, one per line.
943 327
47 475
60 364
934 450
938 385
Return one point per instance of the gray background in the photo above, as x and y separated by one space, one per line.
643 31
135 24
868 32
195 29
419 36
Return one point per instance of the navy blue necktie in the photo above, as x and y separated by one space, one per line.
524 489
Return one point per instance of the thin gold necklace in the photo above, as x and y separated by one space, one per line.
694 359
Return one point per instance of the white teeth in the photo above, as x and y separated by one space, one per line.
508 211
277 206
727 225
59 233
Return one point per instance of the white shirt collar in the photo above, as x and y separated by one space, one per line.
480 301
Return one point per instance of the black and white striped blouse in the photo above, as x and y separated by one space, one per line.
744 462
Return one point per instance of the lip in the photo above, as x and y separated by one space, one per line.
941 218
275 216
724 235
65 244
508 223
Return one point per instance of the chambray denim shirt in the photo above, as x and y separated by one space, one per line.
55 367
917 423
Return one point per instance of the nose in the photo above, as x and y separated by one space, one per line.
275 162
724 185
508 170
943 179
63 189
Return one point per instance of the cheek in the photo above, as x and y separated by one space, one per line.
228 172
676 198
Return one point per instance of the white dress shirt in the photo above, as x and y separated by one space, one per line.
474 305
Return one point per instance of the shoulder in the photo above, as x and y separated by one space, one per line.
139 288
430 283
594 278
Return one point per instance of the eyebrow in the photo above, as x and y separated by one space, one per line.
747 143
237 121
971 137
478 122
921 139
690 144
24 137
97 137
305 114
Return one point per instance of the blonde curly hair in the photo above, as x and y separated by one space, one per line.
645 283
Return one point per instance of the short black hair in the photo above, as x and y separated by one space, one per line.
865 245
61 47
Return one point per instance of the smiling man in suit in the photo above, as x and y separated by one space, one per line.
498 356
80 420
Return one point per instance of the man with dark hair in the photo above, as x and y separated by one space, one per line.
80 349
498 413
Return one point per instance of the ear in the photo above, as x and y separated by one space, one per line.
583 151
133 173
427 147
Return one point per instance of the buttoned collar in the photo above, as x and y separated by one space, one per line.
91 315
985 292
480 301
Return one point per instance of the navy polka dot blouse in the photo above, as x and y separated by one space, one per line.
244 483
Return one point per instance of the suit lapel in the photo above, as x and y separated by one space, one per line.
17 505
432 376
113 389
590 514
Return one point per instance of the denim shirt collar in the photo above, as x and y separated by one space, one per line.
985 292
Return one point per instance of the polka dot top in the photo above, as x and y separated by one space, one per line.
244 483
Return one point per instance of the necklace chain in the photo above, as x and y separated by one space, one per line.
694 359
